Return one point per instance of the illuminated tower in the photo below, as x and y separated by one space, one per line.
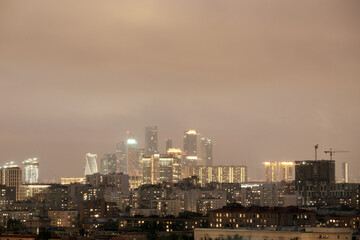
31 170
190 148
169 144
345 172
286 171
205 152
132 156
175 153
271 173
151 141
91 164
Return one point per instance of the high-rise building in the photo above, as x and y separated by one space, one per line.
312 178
220 174
169 144
151 140
31 170
132 156
271 171
158 168
121 161
190 148
91 164
286 171
345 172
108 163
175 153
206 152
11 176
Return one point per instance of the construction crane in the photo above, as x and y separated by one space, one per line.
332 152
316 148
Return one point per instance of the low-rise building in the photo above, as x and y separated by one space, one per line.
238 216
274 233
63 218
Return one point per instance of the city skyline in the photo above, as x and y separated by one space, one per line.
265 81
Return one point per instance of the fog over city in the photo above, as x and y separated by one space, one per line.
265 80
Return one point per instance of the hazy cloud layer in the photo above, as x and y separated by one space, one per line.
265 79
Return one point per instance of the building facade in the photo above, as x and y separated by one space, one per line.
151 140
91 164
31 170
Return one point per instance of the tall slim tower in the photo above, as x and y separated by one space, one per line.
91 164
206 152
345 172
151 140
31 170
120 152
132 156
190 148
169 144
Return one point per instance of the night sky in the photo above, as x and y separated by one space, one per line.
266 80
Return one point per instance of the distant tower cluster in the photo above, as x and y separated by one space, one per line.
31 170
91 164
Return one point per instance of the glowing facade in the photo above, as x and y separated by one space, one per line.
220 174
271 171
158 168
132 157
31 170
286 171
91 164
190 148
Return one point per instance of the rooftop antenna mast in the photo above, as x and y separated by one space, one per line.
316 148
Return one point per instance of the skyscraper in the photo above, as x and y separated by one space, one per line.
132 156
158 168
175 153
151 140
190 148
31 170
286 171
169 144
121 162
345 172
205 153
108 163
271 171
91 164
11 176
